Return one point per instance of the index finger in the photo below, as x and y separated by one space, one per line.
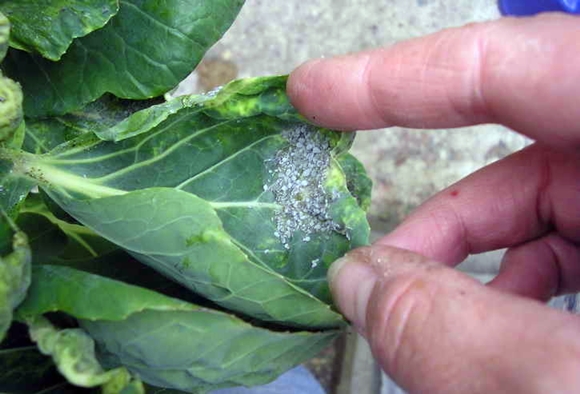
523 73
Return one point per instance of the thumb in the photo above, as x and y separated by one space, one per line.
434 329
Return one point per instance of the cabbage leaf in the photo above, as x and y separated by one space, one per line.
49 27
122 59
168 342
183 186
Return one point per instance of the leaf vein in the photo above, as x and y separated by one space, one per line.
165 153
223 161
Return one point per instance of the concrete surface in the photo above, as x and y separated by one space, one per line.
407 166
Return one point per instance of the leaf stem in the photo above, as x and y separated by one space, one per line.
31 166
75 183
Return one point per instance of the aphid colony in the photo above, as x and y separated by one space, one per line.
299 172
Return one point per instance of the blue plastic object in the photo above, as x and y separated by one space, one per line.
532 7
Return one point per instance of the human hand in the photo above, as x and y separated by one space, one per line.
434 329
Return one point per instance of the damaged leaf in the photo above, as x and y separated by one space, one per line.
202 193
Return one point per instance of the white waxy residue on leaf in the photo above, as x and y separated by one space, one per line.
299 172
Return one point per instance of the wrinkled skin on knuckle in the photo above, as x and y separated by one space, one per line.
398 317
409 321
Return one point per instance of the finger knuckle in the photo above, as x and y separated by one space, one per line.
398 317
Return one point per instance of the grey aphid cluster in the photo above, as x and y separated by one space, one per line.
299 172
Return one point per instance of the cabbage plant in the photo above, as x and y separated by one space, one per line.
150 245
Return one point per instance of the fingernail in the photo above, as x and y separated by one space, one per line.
352 282
311 63
299 80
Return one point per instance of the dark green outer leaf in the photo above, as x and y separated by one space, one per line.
49 27
58 239
25 370
43 135
168 342
110 118
108 112
46 240
144 51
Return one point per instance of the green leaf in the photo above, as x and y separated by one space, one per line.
167 342
14 279
357 180
46 240
10 108
143 52
196 353
11 131
73 352
13 189
44 134
56 288
84 250
54 240
11 116
4 35
181 235
16 141
13 192
107 115
49 27
197 193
